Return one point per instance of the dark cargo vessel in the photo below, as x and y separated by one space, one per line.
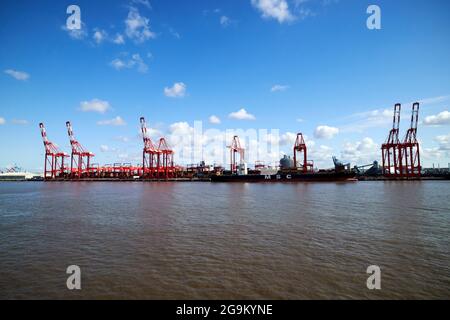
288 177
288 173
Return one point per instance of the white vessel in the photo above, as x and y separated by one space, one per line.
17 174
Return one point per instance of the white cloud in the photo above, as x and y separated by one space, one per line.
187 142
21 122
442 118
18 75
137 26
117 121
444 138
214 119
151 132
145 3
272 138
300 120
128 63
303 13
2 121
444 142
361 152
216 11
242 114
325 132
278 88
288 138
119 39
77 34
224 21
321 155
95 105
360 122
178 90
369 119
119 64
174 33
99 36
432 154
433 100
181 128
180 138
276 9
104 148
122 139
139 62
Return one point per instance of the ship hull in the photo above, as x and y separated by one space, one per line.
288 177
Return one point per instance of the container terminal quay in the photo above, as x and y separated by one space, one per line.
400 161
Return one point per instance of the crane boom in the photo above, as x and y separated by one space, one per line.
54 158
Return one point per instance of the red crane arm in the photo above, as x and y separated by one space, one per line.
148 144
50 147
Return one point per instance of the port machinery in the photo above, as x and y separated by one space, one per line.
158 161
390 149
299 164
410 165
166 168
54 163
150 154
289 170
300 148
401 159
236 151
80 158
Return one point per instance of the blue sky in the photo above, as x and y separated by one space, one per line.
294 66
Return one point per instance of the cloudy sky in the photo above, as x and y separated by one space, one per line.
199 70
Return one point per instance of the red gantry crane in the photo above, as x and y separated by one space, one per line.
236 149
157 162
409 150
390 149
80 158
167 170
150 154
300 147
54 166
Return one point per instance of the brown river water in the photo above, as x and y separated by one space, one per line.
225 241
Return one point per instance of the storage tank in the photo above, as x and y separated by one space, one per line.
286 163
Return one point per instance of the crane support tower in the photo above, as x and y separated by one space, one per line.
409 150
390 149
80 158
236 150
300 148
150 154
54 164
167 169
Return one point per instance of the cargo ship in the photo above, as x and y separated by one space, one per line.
289 173
288 177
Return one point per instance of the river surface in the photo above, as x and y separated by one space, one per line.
225 241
